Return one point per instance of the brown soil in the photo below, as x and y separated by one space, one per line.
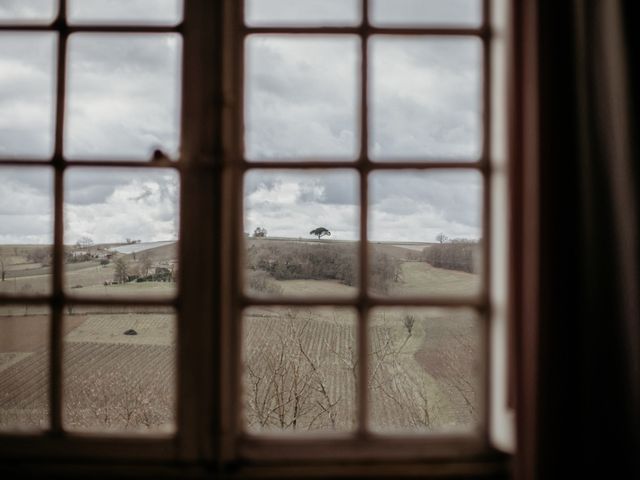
29 333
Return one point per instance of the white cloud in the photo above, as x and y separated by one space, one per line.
302 101
143 207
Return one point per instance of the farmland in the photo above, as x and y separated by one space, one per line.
299 364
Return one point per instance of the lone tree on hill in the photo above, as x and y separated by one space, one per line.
320 232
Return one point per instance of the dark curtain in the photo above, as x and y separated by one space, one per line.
588 353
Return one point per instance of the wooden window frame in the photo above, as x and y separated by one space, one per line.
211 169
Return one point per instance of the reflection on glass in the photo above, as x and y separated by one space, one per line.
24 367
121 230
425 233
142 12
299 369
302 12
26 106
296 108
123 96
301 232
425 98
119 368
424 370
28 11
459 13
26 230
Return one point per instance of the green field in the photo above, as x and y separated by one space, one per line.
299 364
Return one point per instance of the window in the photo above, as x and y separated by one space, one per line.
337 228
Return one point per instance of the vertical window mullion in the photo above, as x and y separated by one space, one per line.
486 213
57 304
363 304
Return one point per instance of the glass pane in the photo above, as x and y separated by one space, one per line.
302 12
425 370
121 231
425 231
119 368
26 102
123 97
460 13
425 98
301 97
141 12
24 367
299 369
301 232
26 230
28 11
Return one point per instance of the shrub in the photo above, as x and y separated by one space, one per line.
302 261
457 255
260 282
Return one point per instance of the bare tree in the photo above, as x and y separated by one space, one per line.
260 232
121 274
441 238
145 264
4 262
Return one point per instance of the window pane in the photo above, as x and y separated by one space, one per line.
24 367
142 12
27 80
121 231
26 230
425 233
301 94
119 368
425 98
300 369
462 13
425 370
28 11
302 12
123 96
301 233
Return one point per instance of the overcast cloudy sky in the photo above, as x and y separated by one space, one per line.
123 102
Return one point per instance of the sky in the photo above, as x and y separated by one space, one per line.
301 103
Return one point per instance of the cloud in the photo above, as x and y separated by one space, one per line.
140 11
425 98
426 12
416 206
296 105
28 10
301 102
26 94
107 208
291 204
26 205
305 12
123 99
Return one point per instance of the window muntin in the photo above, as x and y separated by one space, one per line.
468 157
377 447
87 361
